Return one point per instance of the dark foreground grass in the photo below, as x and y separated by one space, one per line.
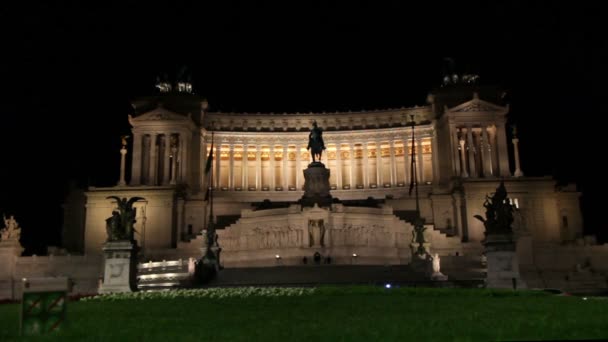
334 314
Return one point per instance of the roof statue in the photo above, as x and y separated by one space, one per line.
11 230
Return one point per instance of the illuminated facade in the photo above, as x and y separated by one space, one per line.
462 151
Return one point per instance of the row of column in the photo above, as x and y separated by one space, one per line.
286 176
481 151
158 158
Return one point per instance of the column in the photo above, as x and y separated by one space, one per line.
352 166
378 164
365 166
123 154
166 151
463 158
518 172
485 152
258 167
471 146
503 153
298 168
218 158
493 150
393 164
273 169
284 168
173 180
454 142
434 158
244 168
137 159
231 167
183 157
420 161
338 166
406 162
153 162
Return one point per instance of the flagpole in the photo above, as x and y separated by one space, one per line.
414 168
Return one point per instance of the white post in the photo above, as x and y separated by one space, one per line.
518 172
463 158
123 154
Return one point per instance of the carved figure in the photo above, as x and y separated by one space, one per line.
119 226
499 212
11 230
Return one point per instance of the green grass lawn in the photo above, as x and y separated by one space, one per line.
333 314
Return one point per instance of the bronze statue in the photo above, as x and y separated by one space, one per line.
315 142
499 212
119 226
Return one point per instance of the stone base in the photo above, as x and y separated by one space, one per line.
119 267
502 263
438 276
316 186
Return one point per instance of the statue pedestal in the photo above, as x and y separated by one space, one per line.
316 186
10 250
502 263
120 266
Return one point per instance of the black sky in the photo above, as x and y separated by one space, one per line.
69 70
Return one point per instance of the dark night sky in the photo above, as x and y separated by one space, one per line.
68 73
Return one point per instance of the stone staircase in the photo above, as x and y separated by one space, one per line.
163 275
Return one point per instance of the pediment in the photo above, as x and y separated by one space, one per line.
477 105
160 114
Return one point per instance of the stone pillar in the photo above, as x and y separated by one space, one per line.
351 179
463 158
518 172
485 152
173 180
244 168
123 154
365 166
272 168
258 167
435 158
503 153
407 160
393 164
120 267
166 161
284 173
379 164
153 161
231 167
454 142
493 151
137 159
218 159
298 168
420 161
471 146
204 155
339 166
